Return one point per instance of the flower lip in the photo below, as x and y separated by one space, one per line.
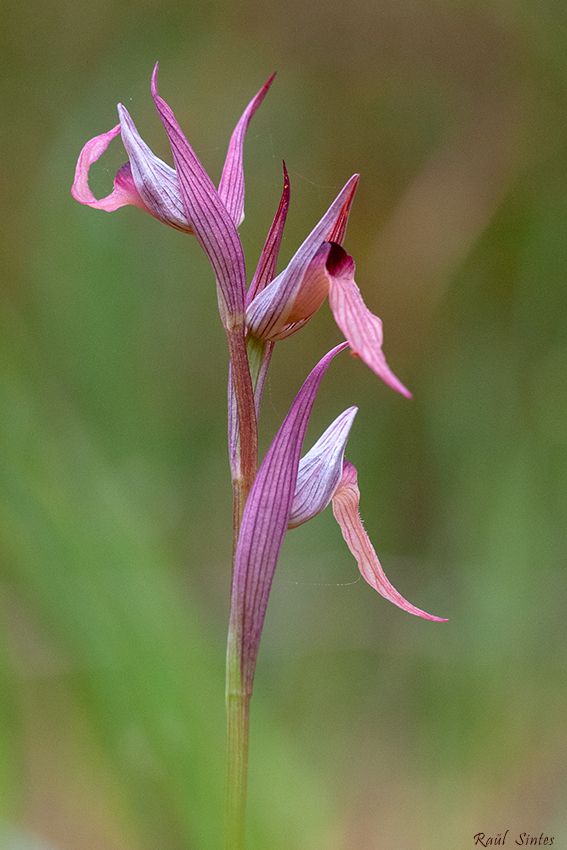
345 509
124 192
360 326
144 181
330 271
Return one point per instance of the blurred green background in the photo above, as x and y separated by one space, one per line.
371 729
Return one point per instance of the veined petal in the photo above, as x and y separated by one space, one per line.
273 311
208 217
345 509
320 470
361 327
125 191
231 186
265 521
155 181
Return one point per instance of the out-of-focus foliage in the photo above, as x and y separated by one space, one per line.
370 729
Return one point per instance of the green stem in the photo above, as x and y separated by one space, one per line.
238 721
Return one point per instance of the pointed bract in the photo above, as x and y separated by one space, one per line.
345 509
208 217
231 186
265 521
266 268
263 350
265 272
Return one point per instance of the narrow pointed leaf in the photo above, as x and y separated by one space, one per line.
345 509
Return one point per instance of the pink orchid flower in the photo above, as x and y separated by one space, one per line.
286 493
321 268
147 182
286 490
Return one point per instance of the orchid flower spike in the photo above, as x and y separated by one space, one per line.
324 476
147 182
321 268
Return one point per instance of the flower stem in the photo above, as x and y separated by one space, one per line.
243 448
238 722
244 397
238 719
